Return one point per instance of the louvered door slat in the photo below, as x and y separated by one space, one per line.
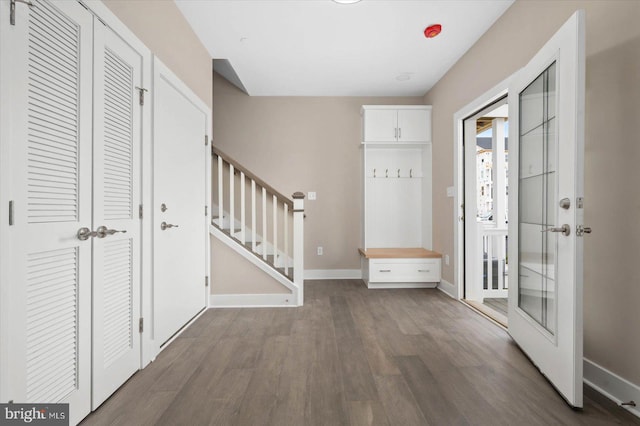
61 346
53 41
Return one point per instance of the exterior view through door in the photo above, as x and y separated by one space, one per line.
486 192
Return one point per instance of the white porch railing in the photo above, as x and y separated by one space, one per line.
493 243
261 219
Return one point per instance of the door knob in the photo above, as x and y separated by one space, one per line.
103 231
85 233
164 226
564 229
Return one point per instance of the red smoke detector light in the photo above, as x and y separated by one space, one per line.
432 30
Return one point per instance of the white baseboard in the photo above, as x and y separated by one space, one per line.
332 274
612 386
252 300
449 289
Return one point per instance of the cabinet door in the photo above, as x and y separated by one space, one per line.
414 125
45 62
380 125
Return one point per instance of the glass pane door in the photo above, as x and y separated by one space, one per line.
537 200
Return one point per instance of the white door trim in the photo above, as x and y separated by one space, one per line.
490 96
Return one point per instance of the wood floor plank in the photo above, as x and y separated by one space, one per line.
398 401
357 379
408 356
292 388
326 403
379 355
435 407
367 413
260 398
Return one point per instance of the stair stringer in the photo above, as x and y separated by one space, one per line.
288 299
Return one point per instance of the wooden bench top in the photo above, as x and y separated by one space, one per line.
399 253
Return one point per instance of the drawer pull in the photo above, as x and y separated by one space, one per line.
385 270
424 270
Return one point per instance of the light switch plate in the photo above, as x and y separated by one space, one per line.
450 191
311 195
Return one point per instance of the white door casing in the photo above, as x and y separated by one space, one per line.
46 142
180 125
549 328
116 197
472 257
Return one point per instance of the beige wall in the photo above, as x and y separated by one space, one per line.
233 274
161 26
303 144
612 157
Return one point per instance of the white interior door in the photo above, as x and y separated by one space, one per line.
46 70
116 196
546 144
180 197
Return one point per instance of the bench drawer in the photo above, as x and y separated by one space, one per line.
404 270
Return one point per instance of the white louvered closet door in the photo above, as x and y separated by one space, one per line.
116 196
46 120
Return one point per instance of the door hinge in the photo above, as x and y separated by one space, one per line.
141 325
141 91
206 210
12 9
206 140
206 281
11 213
140 211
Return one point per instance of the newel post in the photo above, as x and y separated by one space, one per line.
298 244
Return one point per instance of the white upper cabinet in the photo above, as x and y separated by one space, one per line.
390 123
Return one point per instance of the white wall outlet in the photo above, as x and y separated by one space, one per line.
320 251
311 195
446 259
450 191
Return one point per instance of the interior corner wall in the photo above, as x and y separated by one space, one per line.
160 25
612 155
304 144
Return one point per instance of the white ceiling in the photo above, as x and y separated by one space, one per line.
321 48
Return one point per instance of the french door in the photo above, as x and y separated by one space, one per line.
546 145
70 144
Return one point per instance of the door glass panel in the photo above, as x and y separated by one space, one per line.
538 200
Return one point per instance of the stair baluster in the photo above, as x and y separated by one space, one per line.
279 241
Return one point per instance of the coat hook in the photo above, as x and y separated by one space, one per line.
386 173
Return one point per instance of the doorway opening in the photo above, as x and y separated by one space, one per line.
485 147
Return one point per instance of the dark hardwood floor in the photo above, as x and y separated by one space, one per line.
350 356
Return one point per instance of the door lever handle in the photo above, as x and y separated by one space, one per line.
164 226
564 229
103 231
85 233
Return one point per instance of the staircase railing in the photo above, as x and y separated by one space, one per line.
258 217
